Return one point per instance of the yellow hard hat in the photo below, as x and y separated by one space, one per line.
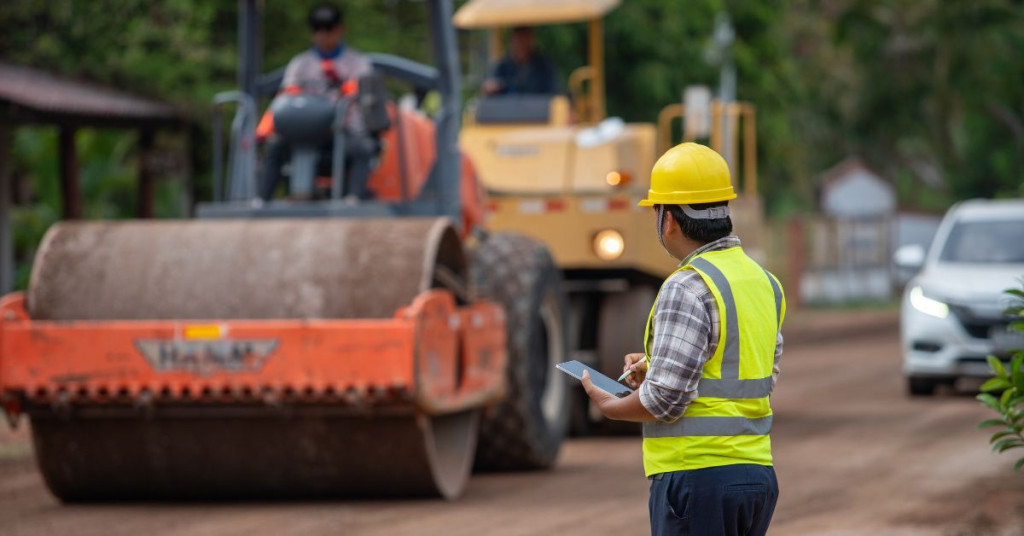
688 174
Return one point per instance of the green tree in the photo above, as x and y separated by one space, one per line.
935 91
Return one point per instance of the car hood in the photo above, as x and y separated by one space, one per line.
980 285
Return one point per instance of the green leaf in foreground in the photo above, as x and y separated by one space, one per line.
1010 402
995 384
989 401
992 422
996 365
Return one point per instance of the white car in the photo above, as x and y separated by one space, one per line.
952 315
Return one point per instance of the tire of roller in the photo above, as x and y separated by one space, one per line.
519 273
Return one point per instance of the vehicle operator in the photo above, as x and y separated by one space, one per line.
710 361
323 69
523 71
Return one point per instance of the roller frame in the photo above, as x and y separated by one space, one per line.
432 357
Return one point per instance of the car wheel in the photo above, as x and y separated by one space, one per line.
921 386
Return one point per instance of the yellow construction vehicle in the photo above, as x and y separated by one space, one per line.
557 169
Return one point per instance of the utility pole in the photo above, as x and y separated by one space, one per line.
719 52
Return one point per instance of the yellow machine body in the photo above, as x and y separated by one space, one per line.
573 180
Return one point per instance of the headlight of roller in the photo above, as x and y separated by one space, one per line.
609 244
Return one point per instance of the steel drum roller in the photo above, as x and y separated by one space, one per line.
246 269
211 269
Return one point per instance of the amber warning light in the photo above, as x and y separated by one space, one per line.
617 178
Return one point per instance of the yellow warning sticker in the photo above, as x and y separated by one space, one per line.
205 331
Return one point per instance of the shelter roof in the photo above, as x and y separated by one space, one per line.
853 189
499 13
31 95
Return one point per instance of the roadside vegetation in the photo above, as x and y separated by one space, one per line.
1009 380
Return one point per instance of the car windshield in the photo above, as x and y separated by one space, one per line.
985 241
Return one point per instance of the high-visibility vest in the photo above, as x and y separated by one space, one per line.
729 421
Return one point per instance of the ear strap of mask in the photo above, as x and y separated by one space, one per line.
661 223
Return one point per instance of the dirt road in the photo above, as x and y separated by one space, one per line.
853 454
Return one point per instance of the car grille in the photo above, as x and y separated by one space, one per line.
976 326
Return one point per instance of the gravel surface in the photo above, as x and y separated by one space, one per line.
854 455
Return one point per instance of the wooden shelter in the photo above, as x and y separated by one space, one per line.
32 97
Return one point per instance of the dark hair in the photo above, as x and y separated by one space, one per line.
703 231
326 17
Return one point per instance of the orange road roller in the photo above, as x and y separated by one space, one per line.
296 348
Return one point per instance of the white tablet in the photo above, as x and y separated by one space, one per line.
575 369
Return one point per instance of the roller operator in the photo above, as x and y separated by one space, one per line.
524 71
329 67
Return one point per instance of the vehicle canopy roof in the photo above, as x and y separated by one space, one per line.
477 14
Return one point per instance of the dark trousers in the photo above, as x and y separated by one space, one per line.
733 500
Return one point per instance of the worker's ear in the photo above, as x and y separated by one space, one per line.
670 227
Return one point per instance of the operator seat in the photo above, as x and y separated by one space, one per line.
306 125
504 109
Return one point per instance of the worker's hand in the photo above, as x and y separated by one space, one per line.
599 396
490 86
637 364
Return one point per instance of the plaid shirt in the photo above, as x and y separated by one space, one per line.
686 330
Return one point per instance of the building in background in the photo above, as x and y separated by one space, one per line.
851 243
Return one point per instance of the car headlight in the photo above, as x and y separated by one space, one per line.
609 244
927 305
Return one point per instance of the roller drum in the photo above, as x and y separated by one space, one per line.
246 269
266 457
222 269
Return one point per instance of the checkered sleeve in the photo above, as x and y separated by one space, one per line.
684 331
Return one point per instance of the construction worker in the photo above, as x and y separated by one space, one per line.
523 71
710 361
329 67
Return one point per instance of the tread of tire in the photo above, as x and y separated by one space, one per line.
505 268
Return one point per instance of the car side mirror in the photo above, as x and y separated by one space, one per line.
910 257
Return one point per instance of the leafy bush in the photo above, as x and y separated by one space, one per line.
1009 380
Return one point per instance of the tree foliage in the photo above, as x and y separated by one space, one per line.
927 91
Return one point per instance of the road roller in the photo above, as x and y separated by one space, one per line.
559 162
313 346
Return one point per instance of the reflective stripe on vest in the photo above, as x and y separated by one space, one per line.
711 426
723 424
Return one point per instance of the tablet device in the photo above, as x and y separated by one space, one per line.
575 369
